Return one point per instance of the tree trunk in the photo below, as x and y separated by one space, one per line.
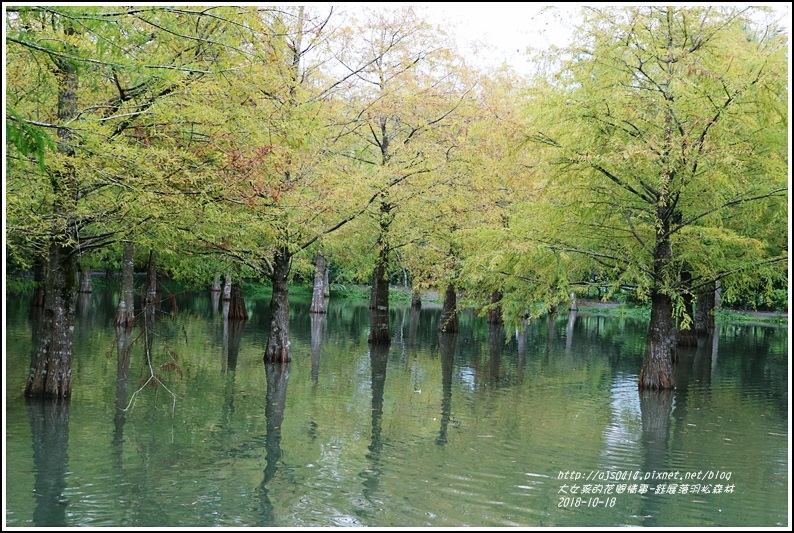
125 316
704 312
379 315
687 337
416 300
85 280
657 369
495 314
216 283
237 310
39 281
51 365
151 281
227 287
326 281
318 295
449 313
657 365
278 341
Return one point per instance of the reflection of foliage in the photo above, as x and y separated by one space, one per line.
560 407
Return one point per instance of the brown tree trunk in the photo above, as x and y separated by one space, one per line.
657 365
657 368
125 316
704 312
318 295
448 322
379 315
416 300
39 281
85 280
237 310
278 341
495 314
51 364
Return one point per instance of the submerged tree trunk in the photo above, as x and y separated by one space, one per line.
85 280
278 341
495 313
379 315
51 364
448 322
416 300
216 282
237 310
657 368
320 275
125 316
704 312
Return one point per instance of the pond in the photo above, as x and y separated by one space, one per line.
537 427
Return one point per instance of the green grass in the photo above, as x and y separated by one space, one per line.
721 316
728 316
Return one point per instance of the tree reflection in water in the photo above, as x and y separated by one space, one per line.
49 426
447 343
378 355
276 399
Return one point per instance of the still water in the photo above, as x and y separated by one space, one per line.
541 426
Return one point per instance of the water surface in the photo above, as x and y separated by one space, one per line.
487 427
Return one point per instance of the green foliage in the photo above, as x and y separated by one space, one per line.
200 134
665 160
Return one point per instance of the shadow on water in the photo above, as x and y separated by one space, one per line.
49 427
318 321
124 342
379 356
447 343
656 409
495 344
276 400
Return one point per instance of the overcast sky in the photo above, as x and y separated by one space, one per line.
510 27
505 28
